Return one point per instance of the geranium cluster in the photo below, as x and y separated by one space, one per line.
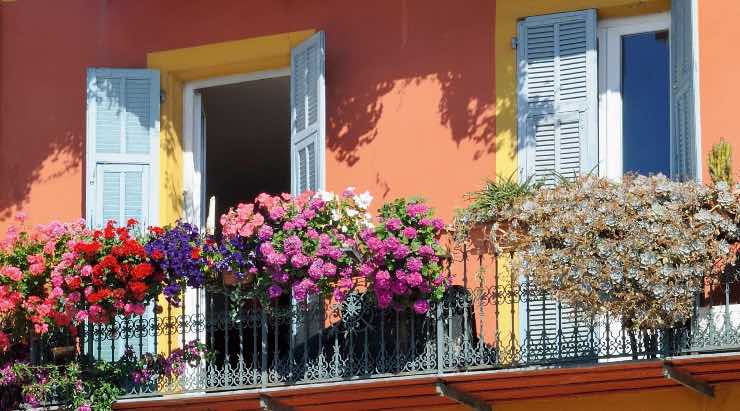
403 256
299 246
639 249
55 276
178 252
115 273
36 290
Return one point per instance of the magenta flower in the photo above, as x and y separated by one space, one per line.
299 260
421 306
409 232
274 291
393 224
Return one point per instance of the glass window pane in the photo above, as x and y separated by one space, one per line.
645 103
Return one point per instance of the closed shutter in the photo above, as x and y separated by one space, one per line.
122 176
558 138
684 107
308 115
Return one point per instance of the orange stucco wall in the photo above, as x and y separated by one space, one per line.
410 88
719 70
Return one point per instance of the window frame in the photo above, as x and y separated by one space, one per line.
609 33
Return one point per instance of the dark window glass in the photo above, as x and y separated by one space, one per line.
645 103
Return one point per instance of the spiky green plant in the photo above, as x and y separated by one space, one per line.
720 163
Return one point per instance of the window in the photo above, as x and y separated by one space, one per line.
634 96
623 100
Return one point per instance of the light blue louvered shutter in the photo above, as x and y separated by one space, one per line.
557 138
122 137
308 115
557 95
684 78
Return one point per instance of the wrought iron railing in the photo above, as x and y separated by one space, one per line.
495 324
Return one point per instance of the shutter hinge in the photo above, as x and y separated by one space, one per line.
162 96
514 43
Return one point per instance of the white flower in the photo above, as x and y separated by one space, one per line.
351 212
325 195
363 200
335 215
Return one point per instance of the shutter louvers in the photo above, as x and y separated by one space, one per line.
557 122
122 172
684 118
307 115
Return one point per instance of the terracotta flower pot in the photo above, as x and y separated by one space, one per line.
63 352
230 279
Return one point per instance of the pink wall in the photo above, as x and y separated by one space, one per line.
410 88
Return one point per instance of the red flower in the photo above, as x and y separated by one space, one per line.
131 222
138 289
73 282
195 253
142 271
88 249
119 293
156 230
157 255
109 231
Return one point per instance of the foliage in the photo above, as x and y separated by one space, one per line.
403 256
485 203
93 385
638 249
719 161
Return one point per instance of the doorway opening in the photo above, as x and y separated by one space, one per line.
246 134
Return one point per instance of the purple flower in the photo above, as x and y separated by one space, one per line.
266 248
84 407
375 245
393 224
414 279
312 234
416 209
426 251
329 270
438 224
421 306
292 245
414 264
299 260
280 277
401 251
274 291
299 222
264 233
409 232
399 287
384 298
277 213
366 269
425 222
276 259
316 270
382 280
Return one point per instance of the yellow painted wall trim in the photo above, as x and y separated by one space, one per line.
179 66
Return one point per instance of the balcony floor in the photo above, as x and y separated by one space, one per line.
493 386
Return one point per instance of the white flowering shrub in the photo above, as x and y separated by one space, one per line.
639 249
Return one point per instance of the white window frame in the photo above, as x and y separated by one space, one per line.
610 32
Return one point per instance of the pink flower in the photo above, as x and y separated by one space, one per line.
393 224
37 263
4 342
276 213
316 270
264 233
41 328
50 247
20 217
421 306
409 232
414 279
81 316
413 264
13 273
136 309
86 271
299 261
416 209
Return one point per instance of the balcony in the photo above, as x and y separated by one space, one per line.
478 330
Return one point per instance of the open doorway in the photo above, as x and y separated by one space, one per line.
246 139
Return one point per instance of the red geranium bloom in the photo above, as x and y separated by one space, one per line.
195 253
157 255
131 222
141 271
138 289
156 230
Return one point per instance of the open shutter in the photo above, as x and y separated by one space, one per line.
122 175
558 138
308 115
684 107
557 104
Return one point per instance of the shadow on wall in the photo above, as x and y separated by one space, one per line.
35 162
450 46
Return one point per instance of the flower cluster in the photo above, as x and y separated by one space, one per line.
150 367
178 252
403 256
36 291
639 249
114 272
299 246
